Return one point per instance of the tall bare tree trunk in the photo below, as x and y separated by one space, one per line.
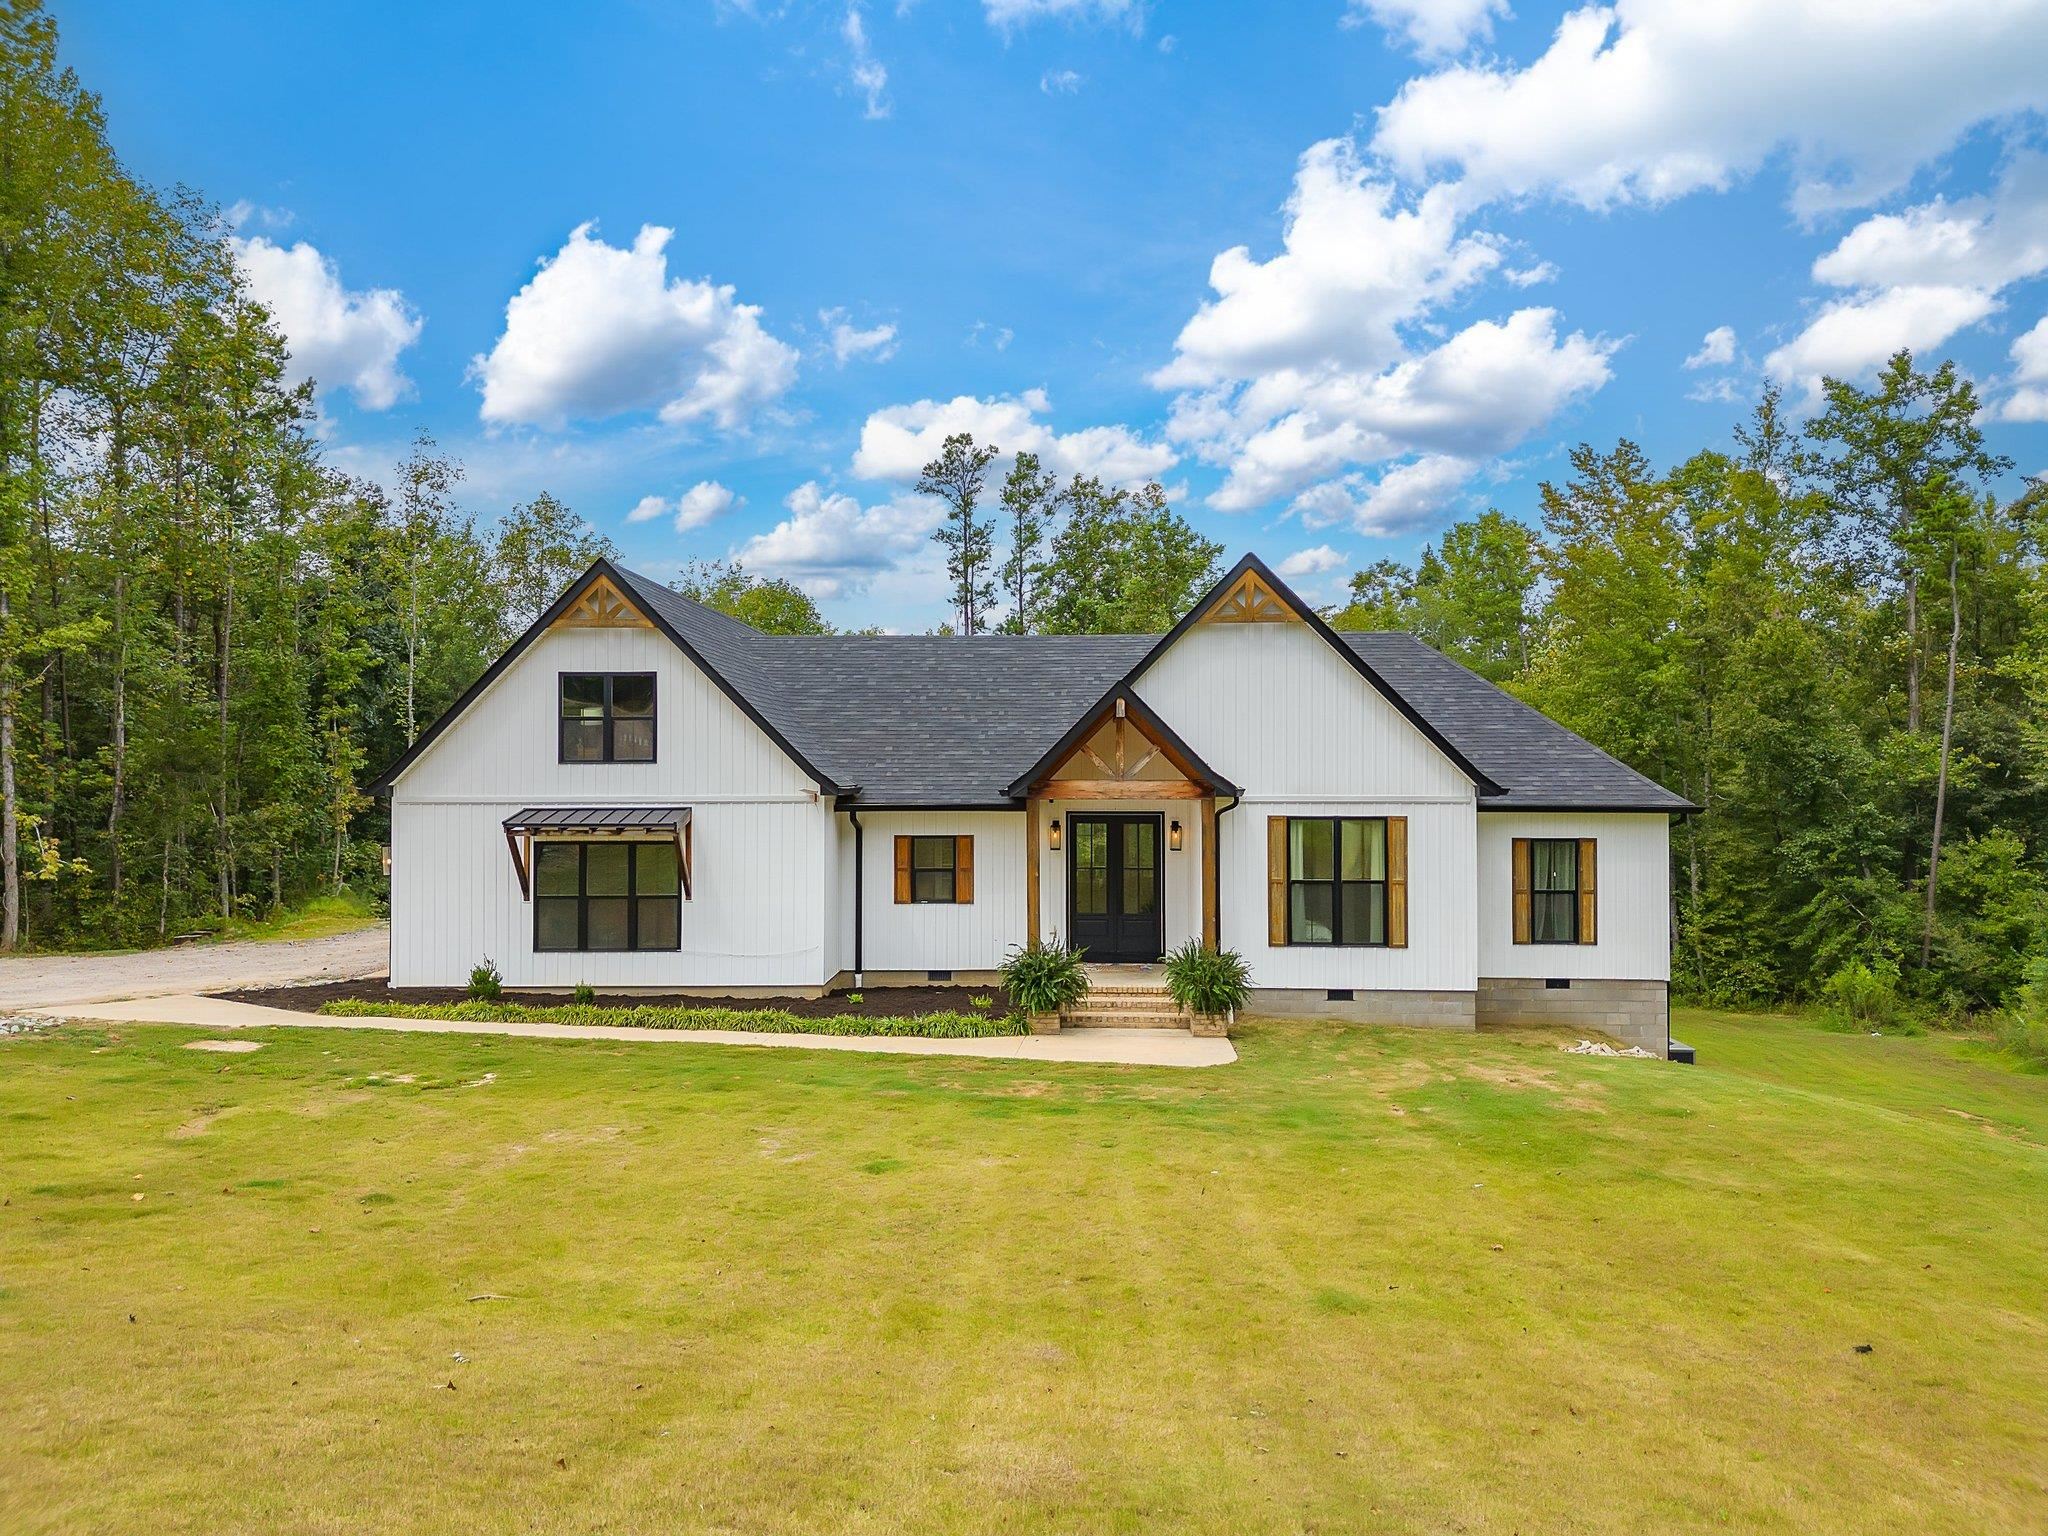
1948 724
10 811
1913 655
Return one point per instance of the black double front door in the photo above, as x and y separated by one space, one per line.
1113 886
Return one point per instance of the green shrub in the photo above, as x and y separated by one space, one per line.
2024 1031
773 1021
585 993
854 997
1865 996
485 984
1044 978
1205 980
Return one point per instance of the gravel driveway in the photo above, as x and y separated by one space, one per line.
44 981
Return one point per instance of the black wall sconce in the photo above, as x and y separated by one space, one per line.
1052 834
1173 836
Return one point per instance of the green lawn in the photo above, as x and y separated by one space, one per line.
1363 1280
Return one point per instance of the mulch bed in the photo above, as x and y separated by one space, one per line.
875 1001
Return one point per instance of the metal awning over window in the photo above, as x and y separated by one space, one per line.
596 821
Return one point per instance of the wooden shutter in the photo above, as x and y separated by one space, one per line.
1525 928
902 869
1276 880
1589 901
1397 882
963 869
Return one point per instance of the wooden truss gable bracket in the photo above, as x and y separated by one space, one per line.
1251 601
602 606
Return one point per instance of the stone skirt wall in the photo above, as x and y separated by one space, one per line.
1633 1012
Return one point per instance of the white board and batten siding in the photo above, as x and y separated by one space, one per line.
1272 708
942 936
765 851
1632 894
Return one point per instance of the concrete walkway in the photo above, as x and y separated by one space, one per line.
29 983
1124 1047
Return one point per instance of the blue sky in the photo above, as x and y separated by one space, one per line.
1337 272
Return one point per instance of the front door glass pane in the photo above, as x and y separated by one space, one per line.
1091 868
1141 859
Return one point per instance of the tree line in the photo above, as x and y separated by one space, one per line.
1834 639
1833 635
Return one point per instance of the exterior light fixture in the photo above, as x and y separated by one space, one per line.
1052 834
387 861
1173 836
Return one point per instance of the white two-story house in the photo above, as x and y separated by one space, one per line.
645 793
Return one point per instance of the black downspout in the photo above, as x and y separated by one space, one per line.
1216 853
854 816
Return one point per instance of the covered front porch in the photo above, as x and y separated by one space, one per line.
1120 838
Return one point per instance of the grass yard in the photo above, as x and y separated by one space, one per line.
1364 1280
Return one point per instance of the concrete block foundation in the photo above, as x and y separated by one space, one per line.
1633 1012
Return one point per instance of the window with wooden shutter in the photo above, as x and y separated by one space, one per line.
963 870
1276 880
1589 906
1338 885
1397 882
1556 898
1524 915
934 870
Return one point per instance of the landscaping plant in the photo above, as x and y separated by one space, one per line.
1044 978
485 984
1205 980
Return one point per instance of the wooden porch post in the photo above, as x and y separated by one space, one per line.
1209 924
1031 856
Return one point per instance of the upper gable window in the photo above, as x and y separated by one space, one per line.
607 717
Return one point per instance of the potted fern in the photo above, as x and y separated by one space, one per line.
1046 981
1208 986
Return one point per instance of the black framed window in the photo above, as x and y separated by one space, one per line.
933 874
607 717
1337 880
608 895
1554 890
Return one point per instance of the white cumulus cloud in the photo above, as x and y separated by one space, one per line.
870 76
1648 100
697 506
898 441
1849 338
849 341
2029 400
1717 349
1310 562
1008 15
340 338
1357 261
600 330
1059 82
830 545
1417 494
1433 28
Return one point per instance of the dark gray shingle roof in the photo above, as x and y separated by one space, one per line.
925 720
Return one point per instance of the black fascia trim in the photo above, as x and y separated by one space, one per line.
1092 717
575 589
1684 808
1315 621
852 801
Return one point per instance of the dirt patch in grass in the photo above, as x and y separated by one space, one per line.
875 1002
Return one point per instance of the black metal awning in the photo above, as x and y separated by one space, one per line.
637 821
